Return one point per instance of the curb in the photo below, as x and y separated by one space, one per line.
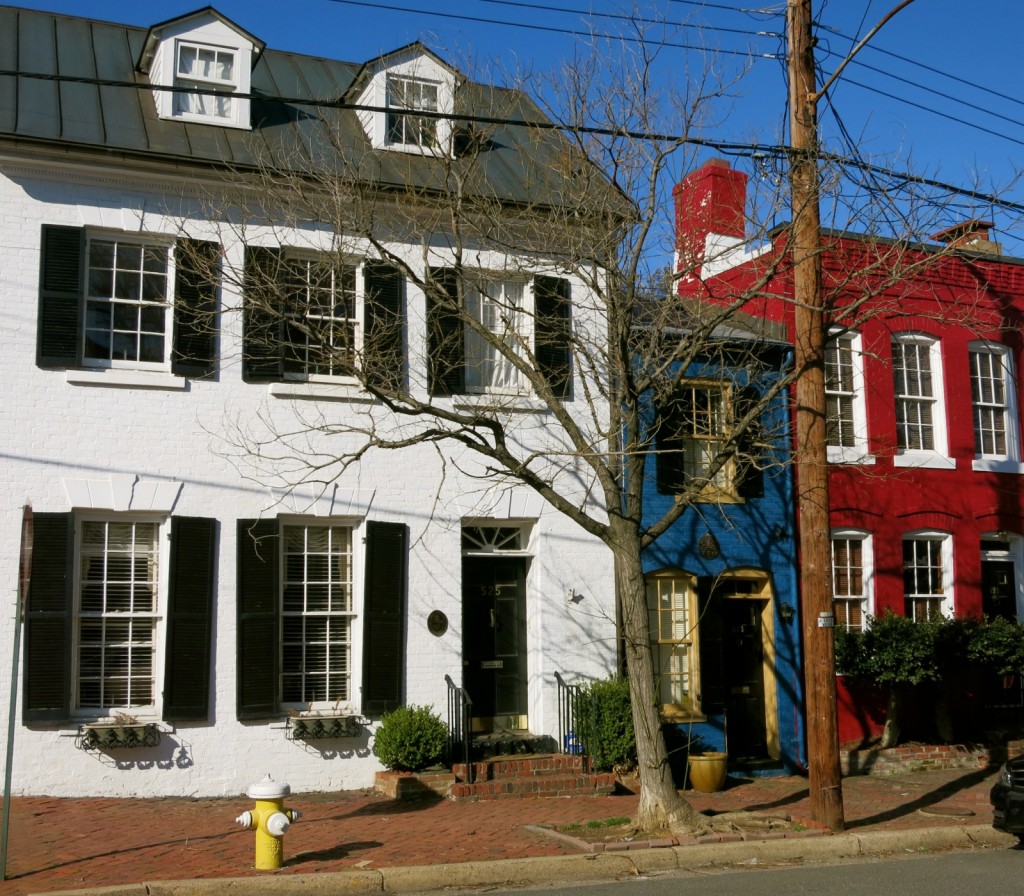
584 868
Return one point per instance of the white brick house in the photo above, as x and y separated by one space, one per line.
179 575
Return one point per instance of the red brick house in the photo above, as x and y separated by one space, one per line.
927 505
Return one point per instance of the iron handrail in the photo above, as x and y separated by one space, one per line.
460 724
568 712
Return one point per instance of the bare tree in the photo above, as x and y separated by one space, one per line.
449 348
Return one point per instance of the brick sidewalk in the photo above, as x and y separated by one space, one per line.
58 844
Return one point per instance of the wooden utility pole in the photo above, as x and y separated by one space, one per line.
825 780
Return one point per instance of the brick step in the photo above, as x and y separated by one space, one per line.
550 785
535 766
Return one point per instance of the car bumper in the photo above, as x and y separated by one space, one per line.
1008 809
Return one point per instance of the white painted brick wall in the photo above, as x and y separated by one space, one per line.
54 430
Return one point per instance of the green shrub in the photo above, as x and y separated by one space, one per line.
411 738
604 724
923 663
997 647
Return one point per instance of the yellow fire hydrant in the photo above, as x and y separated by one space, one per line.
271 821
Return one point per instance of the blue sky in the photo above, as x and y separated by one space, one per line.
934 93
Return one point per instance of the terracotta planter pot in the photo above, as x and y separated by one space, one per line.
707 771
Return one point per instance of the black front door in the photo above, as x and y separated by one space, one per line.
494 637
997 589
743 645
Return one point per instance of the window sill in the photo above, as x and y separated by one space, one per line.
681 716
997 465
321 391
132 379
510 403
850 456
924 459
208 119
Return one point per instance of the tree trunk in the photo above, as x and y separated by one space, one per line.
661 806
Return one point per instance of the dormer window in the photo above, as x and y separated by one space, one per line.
406 101
404 97
201 66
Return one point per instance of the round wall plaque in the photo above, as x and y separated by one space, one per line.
437 623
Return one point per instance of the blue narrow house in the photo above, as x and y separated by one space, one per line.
722 581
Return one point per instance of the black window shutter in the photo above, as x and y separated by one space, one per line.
553 332
258 611
195 308
750 450
670 457
262 315
190 619
446 350
48 615
58 342
384 331
384 624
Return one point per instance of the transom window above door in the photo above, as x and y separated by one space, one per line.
493 539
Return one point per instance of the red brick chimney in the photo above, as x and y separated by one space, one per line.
973 235
710 200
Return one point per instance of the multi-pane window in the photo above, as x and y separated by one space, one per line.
405 97
916 393
117 615
690 433
198 66
317 614
126 302
321 311
925 576
673 626
840 391
496 306
850 574
990 400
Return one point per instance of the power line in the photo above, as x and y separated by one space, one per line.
747 150
622 17
551 29
976 127
750 11
375 4
986 89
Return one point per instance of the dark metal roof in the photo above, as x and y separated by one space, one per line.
56 95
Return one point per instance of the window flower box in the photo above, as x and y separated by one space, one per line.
112 734
322 725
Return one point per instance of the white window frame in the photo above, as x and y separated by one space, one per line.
113 302
937 456
344 267
405 113
673 668
502 307
195 80
699 449
411 64
306 699
843 594
942 598
1002 359
846 345
153 709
